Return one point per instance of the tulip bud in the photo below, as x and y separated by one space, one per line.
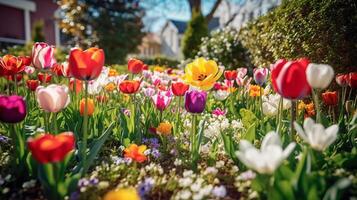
32 84
161 101
230 74
342 80
12 109
319 76
43 55
179 88
195 101
90 108
260 75
352 79
349 107
135 66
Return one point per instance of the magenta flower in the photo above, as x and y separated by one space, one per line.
219 112
43 55
195 101
12 109
260 75
161 101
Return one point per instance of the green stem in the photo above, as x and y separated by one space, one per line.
292 119
55 122
315 95
193 132
85 125
18 143
280 114
46 122
177 128
15 80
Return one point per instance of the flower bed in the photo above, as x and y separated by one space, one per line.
79 130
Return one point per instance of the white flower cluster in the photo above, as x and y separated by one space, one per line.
218 124
196 187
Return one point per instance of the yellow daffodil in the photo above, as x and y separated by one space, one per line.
122 194
164 128
202 73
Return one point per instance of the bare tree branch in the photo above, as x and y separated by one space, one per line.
213 10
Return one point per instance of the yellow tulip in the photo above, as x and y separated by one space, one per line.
202 73
122 194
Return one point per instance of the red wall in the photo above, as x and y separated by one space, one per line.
45 10
12 23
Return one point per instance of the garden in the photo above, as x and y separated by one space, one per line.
243 119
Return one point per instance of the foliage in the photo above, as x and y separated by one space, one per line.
37 32
160 60
323 31
115 26
224 47
196 29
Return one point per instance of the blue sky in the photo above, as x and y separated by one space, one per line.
158 11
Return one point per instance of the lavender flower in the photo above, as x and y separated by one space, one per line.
145 187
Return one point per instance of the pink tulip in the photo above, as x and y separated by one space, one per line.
242 72
52 98
161 100
260 75
218 112
29 70
148 92
229 83
43 55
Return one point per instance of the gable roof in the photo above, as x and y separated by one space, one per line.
181 25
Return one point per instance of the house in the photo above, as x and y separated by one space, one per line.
227 14
171 35
17 18
150 45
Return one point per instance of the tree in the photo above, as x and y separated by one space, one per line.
114 25
37 32
196 30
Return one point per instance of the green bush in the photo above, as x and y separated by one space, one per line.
160 60
324 31
196 29
224 47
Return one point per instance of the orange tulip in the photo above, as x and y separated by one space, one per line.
48 148
86 65
136 152
129 87
90 104
255 90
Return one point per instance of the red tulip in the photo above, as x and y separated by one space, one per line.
48 148
26 60
78 85
135 66
179 88
11 65
230 74
342 80
44 77
57 69
86 65
352 79
145 67
289 78
129 87
32 84
18 77
330 98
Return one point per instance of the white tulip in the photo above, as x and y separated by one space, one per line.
220 95
269 109
52 98
271 104
319 76
268 158
316 135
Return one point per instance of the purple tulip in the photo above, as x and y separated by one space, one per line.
195 101
260 75
12 109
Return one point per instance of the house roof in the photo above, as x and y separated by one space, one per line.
181 25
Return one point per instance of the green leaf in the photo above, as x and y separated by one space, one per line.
248 117
250 134
97 144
